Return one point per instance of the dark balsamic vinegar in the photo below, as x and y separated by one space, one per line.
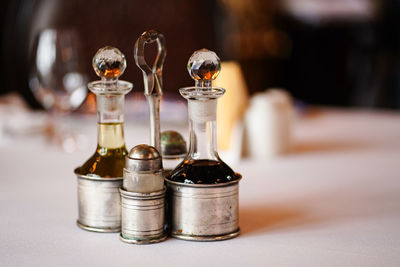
203 172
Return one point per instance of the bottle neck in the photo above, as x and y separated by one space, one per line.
203 83
110 130
202 126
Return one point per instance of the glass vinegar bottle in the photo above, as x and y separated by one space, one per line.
109 159
202 165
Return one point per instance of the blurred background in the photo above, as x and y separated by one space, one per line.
324 52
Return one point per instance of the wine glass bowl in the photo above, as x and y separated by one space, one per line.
56 77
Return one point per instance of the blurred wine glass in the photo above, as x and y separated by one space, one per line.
57 80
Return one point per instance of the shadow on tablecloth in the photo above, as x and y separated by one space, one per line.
269 218
315 147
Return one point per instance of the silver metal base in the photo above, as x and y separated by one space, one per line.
98 230
206 238
142 216
203 212
143 241
99 208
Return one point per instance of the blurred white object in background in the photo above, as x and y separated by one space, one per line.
16 119
18 122
230 111
317 11
268 124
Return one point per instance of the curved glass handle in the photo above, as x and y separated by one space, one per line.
152 79
152 76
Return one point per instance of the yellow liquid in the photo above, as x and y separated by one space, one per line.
109 159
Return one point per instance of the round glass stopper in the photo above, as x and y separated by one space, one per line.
109 63
204 65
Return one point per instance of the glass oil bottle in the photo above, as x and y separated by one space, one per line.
203 190
101 176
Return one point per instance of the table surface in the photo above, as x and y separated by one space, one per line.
333 201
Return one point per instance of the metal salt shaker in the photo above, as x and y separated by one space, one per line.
143 197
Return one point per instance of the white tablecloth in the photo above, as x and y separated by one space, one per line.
334 201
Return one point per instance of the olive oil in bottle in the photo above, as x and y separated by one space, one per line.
109 158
